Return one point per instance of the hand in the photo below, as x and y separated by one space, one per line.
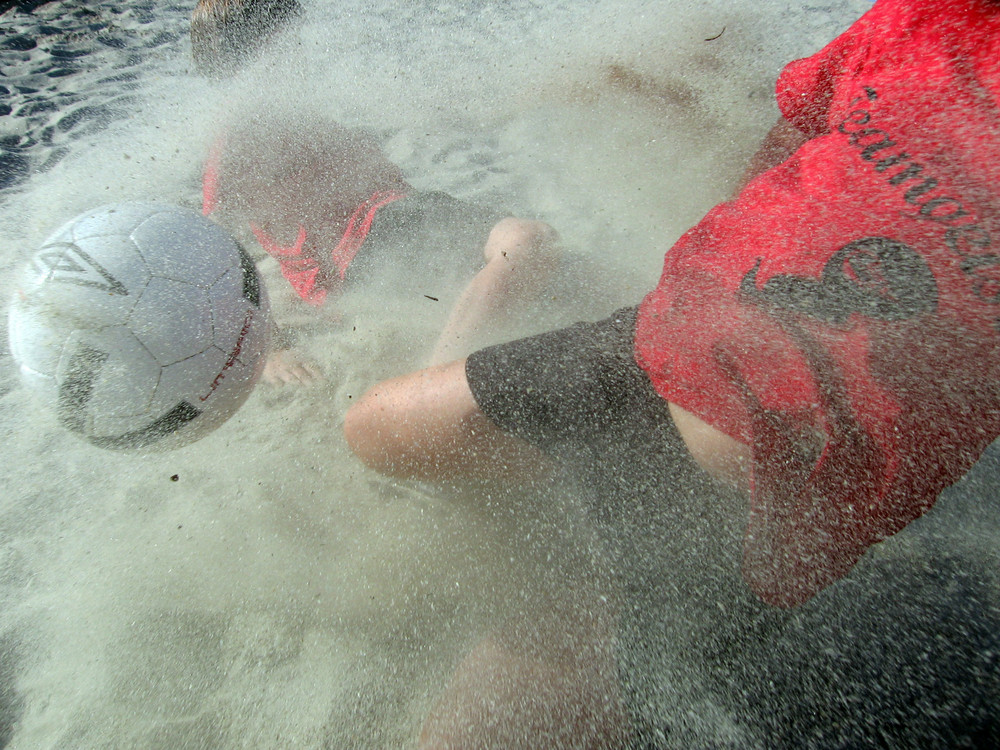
285 367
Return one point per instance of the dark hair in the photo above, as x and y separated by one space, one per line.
225 34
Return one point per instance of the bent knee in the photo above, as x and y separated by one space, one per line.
521 239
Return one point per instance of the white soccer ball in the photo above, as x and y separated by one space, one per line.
142 325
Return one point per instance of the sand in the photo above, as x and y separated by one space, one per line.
260 588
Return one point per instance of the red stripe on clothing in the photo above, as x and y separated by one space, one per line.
301 266
210 178
298 266
358 227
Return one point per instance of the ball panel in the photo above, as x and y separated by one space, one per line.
62 234
173 320
121 375
253 285
222 387
85 288
35 345
176 247
161 430
66 263
229 309
190 379
252 350
81 368
118 219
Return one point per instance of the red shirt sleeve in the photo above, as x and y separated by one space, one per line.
806 87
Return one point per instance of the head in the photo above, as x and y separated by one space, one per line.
282 174
227 33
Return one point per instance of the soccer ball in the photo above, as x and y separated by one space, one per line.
142 325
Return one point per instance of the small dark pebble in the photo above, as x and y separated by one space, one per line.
174 478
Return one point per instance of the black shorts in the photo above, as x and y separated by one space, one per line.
578 395
427 243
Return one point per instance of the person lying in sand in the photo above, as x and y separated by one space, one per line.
326 203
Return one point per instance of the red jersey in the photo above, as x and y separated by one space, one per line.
312 271
842 315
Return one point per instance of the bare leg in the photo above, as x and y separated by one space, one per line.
550 685
548 681
520 255
509 694
426 425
